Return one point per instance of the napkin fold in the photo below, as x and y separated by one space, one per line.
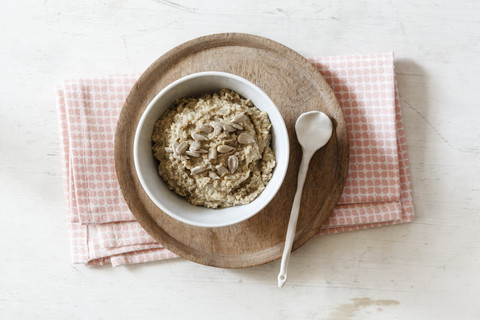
102 229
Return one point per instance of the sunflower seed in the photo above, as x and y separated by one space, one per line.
174 147
236 126
221 170
212 153
198 137
168 150
245 138
195 146
205 129
239 118
213 175
224 148
193 153
232 163
228 127
202 151
198 169
182 147
217 130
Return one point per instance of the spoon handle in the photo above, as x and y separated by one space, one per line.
292 223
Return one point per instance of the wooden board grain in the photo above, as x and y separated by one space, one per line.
295 86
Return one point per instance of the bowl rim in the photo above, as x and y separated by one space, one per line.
278 127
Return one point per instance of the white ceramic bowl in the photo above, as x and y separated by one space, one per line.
146 166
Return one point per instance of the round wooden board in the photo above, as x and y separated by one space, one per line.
295 86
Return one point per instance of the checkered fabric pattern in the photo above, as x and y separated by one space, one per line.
103 230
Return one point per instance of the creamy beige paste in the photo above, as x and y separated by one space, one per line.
214 150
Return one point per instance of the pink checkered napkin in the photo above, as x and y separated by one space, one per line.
378 190
103 230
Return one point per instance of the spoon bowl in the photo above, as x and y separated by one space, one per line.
313 129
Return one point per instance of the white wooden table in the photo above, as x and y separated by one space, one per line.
429 269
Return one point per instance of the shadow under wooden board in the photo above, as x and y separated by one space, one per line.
295 86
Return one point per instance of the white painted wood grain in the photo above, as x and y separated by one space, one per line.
425 270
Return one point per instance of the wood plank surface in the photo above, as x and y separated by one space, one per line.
428 269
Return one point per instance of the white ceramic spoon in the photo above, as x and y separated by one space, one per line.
313 129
